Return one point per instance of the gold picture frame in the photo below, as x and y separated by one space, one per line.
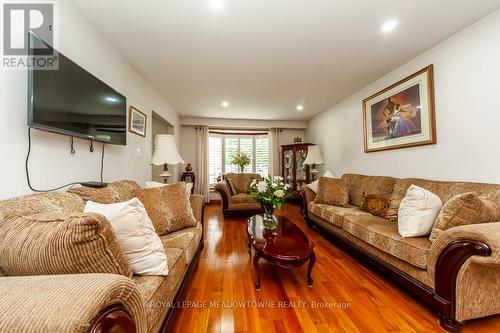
402 115
137 121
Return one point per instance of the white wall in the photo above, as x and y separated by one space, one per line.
467 89
51 163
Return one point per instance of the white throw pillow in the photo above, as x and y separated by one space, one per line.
314 185
189 186
417 212
135 234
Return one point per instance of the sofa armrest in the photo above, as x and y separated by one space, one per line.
70 303
197 204
487 234
464 262
223 190
307 196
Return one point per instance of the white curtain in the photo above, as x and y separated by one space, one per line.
202 162
274 143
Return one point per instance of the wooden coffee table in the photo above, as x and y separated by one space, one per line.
286 245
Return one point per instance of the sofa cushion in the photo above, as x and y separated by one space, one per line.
444 190
187 240
231 186
242 198
54 202
157 292
354 184
334 214
467 208
332 191
383 234
241 181
59 243
376 204
115 192
417 212
168 207
135 234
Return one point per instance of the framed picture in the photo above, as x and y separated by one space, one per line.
137 121
401 115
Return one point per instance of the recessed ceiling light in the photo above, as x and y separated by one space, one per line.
224 104
215 4
299 108
388 26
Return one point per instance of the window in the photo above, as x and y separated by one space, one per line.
221 148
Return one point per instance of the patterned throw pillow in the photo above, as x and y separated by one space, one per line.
376 204
118 191
231 187
332 191
50 243
467 208
168 207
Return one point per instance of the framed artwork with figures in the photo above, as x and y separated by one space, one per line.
401 115
137 121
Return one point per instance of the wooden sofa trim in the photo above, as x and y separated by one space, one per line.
113 319
448 266
443 298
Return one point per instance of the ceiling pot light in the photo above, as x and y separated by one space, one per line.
215 4
224 104
299 108
389 26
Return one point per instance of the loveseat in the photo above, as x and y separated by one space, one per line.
104 296
457 274
235 197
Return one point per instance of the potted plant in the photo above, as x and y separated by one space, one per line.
241 159
271 192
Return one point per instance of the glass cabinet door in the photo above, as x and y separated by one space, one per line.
288 166
300 157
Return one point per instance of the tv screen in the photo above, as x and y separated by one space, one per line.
72 101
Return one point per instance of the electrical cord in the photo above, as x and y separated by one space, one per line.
57 188
102 160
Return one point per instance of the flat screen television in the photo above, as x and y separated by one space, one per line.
72 101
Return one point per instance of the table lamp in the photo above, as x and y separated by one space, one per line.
165 152
313 157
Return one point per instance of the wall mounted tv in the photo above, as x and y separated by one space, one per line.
72 101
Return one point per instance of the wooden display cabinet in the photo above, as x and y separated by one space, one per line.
293 169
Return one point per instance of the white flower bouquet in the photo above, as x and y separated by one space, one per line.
271 192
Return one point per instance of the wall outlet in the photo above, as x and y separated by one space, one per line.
138 153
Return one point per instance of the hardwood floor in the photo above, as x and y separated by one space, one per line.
223 298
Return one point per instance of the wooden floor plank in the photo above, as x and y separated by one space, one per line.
366 301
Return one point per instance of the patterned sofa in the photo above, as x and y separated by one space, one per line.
35 231
237 201
458 274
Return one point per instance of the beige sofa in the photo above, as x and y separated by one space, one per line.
87 302
458 274
241 202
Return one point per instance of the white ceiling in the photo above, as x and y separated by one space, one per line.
267 56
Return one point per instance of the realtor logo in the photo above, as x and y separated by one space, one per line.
19 51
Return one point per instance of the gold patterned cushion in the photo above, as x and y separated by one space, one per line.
118 191
354 184
241 181
168 207
467 208
231 187
332 191
50 243
376 204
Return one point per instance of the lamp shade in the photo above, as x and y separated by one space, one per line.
313 156
165 150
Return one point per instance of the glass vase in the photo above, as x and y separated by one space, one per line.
269 220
